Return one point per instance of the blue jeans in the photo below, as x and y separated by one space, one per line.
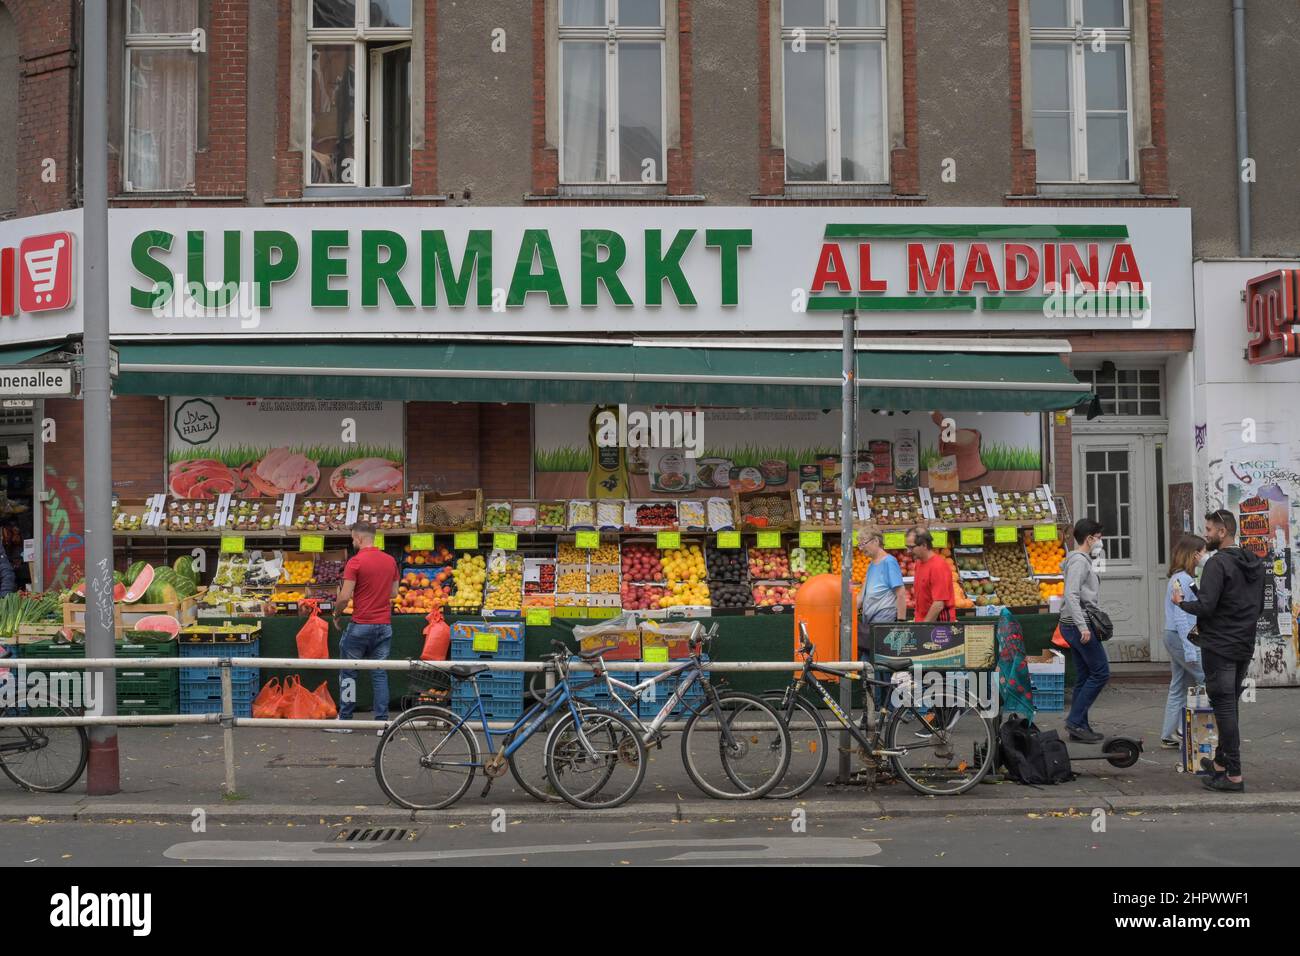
1092 671
1184 674
368 642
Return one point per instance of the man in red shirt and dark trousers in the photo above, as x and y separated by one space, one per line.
931 580
370 582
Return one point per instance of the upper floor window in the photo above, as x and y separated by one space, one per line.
359 93
612 91
1082 90
834 91
1126 391
162 101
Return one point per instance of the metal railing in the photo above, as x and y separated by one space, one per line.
229 721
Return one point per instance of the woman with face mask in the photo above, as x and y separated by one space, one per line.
1091 666
1184 657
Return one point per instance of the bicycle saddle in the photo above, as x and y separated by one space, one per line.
593 654
464 671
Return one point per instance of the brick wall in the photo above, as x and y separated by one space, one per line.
505 450
46 105
469 445
139 445
220 169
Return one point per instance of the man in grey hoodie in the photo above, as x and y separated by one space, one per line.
1227 607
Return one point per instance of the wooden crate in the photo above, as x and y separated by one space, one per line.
742 501
463 510
387 512
125 616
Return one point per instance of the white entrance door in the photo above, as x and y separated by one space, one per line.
1115 478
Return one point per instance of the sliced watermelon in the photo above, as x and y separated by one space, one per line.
158 622
119 591
139 586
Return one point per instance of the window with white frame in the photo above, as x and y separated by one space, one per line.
612 55
834 91
1126 391
162 95
1081 66
359 93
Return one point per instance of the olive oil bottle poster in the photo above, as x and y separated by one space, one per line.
684 451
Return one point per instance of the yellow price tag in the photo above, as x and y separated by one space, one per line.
537 616
972 537
486 642
463 541
505 540
1045 532
421 542
895 540
728 539
311 543
769 539
1004 534
940 538
587 539
668 539
233 544
810 539
855 537
655 655
379 540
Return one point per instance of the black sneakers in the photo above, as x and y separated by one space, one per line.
1083 735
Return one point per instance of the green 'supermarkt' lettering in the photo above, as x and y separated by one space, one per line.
383 265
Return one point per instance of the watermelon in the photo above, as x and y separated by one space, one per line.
159 622
134 571
184 566
80 589
119 591
139 585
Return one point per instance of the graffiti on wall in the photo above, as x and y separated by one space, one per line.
64 547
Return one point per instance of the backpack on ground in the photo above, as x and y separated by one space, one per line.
1033 756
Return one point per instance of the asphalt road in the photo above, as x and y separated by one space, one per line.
1167 839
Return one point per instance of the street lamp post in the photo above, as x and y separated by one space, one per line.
848 466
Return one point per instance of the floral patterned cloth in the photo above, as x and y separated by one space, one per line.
1013 673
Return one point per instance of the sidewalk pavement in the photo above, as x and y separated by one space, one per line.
313 777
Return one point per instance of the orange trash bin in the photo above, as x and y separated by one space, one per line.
817 604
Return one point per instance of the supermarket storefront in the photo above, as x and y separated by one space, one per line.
482 339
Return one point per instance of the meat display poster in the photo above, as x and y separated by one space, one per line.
252 447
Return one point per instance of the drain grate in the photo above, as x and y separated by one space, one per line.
376 834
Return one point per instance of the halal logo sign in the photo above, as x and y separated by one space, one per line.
196 421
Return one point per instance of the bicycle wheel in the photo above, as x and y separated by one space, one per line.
604 771
943 753
809 744
425 761
746 760
528 763
51 759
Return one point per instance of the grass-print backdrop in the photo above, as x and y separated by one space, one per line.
1003 449
268 447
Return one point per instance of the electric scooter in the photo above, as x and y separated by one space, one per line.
1119 751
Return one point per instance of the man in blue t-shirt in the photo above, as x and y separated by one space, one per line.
884 598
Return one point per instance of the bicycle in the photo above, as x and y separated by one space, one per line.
745 735
938 751
46 759
585 747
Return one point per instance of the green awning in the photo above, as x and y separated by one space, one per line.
417 370
19 354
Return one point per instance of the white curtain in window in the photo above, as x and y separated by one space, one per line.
163 16
583 109
164 108
862 121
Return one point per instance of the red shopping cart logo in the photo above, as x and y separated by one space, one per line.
45 272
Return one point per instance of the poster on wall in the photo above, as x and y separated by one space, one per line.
701 452
264 447
1263 528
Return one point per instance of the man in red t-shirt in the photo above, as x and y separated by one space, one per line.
370 583
931 580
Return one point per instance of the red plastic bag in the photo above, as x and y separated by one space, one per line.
322 693
1058 640
437 637
299 703
267 702
314 635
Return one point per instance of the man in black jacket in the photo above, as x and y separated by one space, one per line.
1227 607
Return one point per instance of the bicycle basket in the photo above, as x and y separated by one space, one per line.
429 683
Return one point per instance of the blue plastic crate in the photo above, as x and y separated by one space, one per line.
462 649
505 685
663 690
496 708
240 692
238 709
213 674
1049 691
249 649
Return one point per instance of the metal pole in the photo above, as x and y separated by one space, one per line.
228 724
1243 137
102 775
848 459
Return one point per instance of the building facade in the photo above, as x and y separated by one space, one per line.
1061 128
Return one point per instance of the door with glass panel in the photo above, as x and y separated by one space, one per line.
1113 484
